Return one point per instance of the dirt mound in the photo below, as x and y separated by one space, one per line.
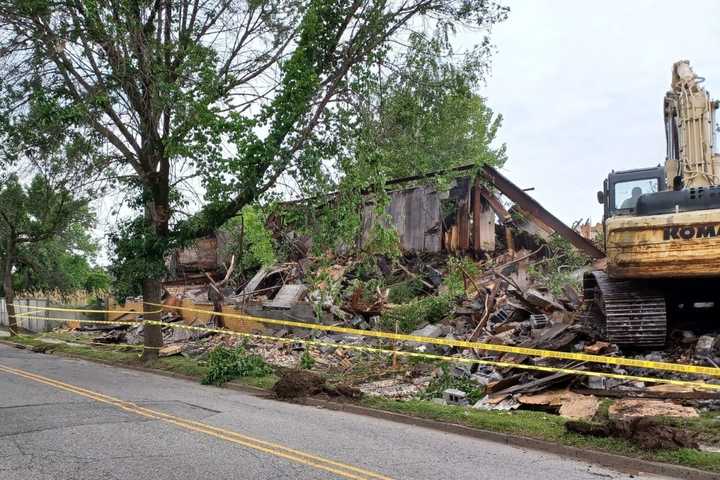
298 383
644 431
302 383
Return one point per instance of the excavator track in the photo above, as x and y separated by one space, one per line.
634 314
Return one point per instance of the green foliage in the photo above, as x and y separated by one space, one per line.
137 253
225 364
249 240
441 383
431 114
368 289
166 102
458 269
44 232
417 312
306 360
557 269
405 291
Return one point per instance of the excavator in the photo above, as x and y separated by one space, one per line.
661 227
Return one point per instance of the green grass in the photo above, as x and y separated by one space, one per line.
548 427
123 356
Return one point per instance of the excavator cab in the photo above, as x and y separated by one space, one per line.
622 190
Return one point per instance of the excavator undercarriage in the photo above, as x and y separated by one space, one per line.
634 313
641 312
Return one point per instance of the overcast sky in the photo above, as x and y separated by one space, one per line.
580 85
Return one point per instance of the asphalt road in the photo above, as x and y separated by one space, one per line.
68 419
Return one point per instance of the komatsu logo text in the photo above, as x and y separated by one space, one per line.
688 232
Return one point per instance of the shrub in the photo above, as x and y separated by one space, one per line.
225 364
306 360
423 310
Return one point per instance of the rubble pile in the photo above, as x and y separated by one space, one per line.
494 300
472 271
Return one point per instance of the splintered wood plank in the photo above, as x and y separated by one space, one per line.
255 281
288 296
463 222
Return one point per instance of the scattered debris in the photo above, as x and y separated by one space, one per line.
471 269
170 350
568 404
706 345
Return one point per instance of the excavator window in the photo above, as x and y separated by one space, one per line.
627 193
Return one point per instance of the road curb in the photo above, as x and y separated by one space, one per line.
619 463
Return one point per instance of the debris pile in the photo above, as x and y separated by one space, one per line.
515 284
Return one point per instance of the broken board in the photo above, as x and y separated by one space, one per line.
288 296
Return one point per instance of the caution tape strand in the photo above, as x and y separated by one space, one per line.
444 358
534 352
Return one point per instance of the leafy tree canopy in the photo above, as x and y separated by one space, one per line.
231 94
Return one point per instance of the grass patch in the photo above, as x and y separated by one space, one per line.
123 356
405 291
545 427
410 316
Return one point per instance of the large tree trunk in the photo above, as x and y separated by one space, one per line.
152 334
8 287
157 218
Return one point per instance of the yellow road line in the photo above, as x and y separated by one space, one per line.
338 468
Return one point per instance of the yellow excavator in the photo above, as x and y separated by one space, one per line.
662 226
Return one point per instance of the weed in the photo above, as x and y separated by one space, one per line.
557 269
423 310
226 364
306 360
458 269
439 384
406 291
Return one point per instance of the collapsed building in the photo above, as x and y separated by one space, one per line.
500 304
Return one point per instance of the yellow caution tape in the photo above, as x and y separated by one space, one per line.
79 320
27 313
81 310
444 358
535 352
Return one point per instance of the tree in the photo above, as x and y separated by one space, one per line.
30 215
227 91
427 109
419 112
60 264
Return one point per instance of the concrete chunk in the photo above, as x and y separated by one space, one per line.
432 331
453 396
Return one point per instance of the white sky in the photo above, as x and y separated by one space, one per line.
580 85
